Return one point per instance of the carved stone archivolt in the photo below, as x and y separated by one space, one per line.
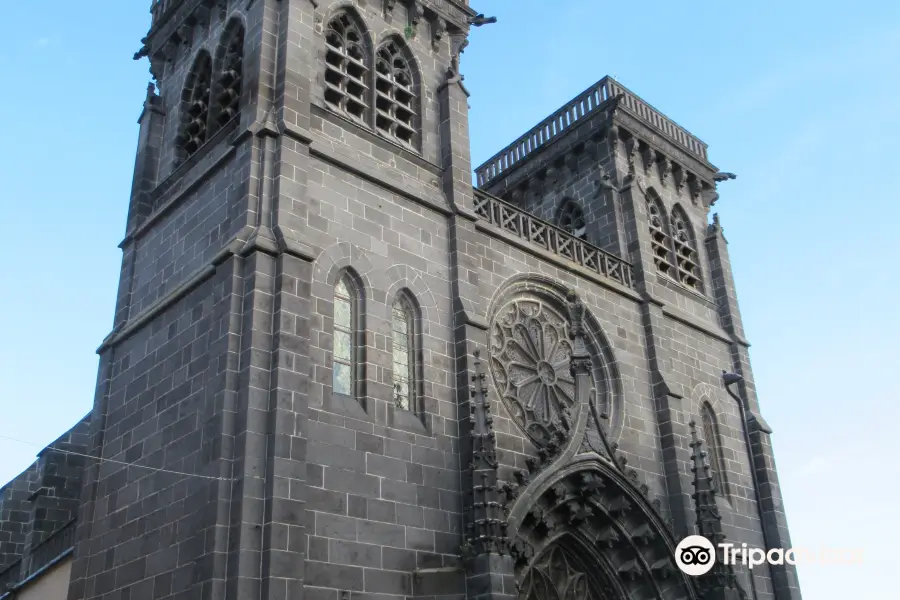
589 535
530 356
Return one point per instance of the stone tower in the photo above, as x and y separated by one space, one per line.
339 371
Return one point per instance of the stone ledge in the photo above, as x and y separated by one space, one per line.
324 153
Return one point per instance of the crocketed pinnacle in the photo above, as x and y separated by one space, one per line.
720 583
709 522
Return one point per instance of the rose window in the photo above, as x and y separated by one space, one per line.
530 356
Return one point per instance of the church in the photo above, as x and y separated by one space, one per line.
347 364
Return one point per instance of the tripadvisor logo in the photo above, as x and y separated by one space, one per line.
695 555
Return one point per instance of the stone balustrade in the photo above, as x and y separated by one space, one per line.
583 105
552 239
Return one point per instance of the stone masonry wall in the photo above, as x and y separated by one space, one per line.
153 528
61 469
186 239
14 515
384 497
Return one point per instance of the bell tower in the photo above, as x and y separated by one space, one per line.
296 158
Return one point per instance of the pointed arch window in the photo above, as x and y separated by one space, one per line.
230 79
395 110
345 336
659 237
714 449
403 328
685 248
196 98
346 70
571 219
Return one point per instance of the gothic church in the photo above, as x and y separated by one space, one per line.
341 370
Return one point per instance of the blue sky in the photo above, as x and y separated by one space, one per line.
799 98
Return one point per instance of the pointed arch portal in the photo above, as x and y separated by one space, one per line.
590 534
579 523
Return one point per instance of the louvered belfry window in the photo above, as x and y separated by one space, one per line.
395 97
197 95
230 78
345 68
659 238
685 250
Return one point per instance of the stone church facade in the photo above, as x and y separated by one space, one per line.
340 371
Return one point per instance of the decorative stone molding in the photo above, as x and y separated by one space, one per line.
612 136
695 187
634 145
438 31
649 158
681 177
665 169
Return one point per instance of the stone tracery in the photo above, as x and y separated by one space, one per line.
530 358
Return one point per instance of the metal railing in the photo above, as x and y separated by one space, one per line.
574 111
9 576
552 239
51 548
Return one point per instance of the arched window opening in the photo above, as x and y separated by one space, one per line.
659 237
571 219
345 336
346 67
230 78
714 450
196 99
403 327
395 110
685 249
